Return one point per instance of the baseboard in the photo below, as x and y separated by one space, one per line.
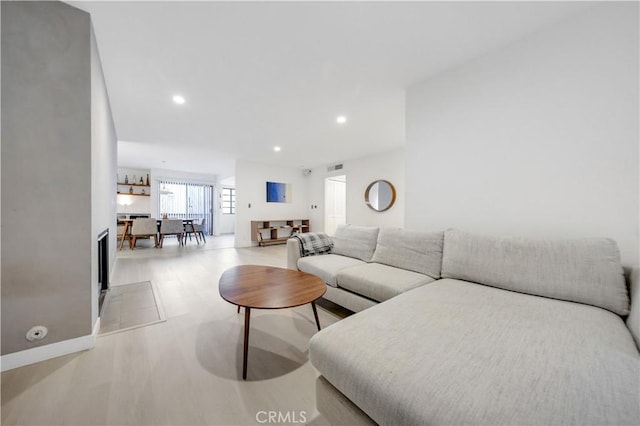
43 353
96 329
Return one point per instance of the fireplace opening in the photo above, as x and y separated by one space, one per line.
103 267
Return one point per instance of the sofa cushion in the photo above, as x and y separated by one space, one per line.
326 266
379 282
355 241
454 352
416 251
585 270
633 320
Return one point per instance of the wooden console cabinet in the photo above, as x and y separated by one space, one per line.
276 231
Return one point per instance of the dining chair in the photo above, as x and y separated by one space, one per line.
189 229
198 227
144 228
171 227
124 232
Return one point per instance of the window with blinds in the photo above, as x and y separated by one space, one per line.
186 200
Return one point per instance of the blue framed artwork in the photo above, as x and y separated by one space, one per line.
278 192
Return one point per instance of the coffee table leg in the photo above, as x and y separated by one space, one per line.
315 314
247 316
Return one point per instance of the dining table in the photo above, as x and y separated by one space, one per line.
128 223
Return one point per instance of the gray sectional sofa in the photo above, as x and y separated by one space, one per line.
468 329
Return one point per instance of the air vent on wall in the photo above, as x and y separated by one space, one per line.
335 167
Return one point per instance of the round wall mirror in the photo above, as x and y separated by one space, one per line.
380 195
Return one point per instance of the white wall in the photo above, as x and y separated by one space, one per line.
251 181
133 204
537 139
360 173
227 221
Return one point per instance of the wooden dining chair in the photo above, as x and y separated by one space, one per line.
124 232
144 228
171 227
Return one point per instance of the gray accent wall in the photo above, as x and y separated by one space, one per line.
104 167
54 187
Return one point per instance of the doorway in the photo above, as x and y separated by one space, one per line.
335 194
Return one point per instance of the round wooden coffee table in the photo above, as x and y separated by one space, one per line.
267 287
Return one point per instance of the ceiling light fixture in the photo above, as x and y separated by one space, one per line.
179 99
341 119
277 148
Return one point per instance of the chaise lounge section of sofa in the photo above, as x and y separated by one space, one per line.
515 331
369 265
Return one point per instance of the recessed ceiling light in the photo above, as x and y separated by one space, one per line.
179 99
341 119
277 148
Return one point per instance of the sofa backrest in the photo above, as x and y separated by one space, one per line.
416 251
355 241
586 271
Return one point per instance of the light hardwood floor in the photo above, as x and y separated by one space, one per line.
186 370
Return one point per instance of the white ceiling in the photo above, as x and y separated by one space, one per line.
260 74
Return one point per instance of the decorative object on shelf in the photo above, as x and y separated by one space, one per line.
148 179
134 179
133 188
380 195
